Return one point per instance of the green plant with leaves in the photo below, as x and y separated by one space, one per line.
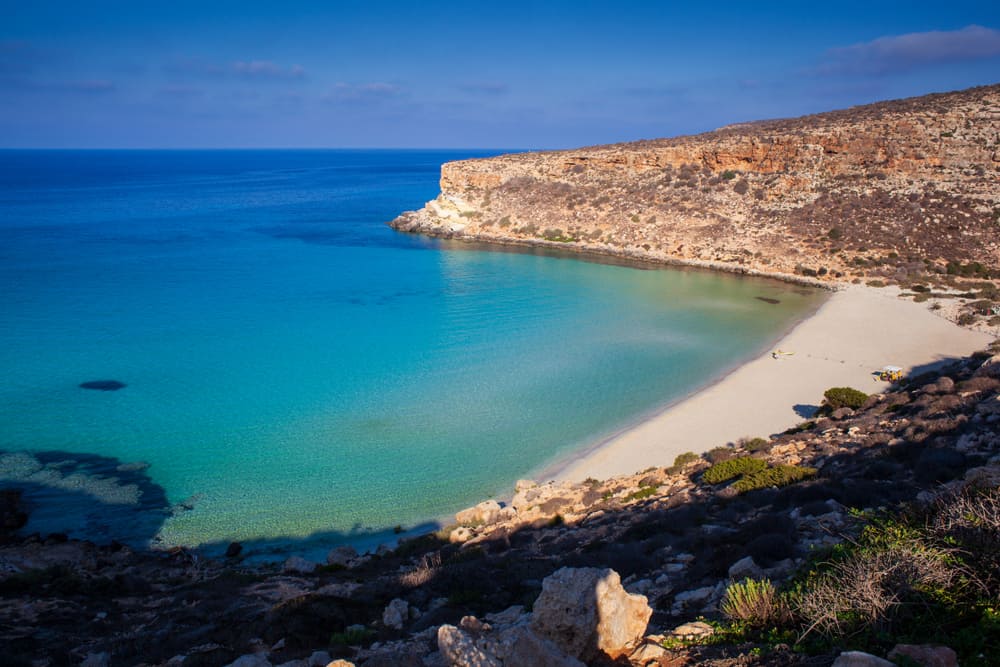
727 470
844 397
779 475
755 603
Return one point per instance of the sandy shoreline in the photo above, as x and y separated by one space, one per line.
857 331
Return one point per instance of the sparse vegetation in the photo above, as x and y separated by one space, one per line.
727 470
844 397
754 603
779 475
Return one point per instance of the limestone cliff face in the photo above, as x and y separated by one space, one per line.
890 189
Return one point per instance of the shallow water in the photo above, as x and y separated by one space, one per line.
297 374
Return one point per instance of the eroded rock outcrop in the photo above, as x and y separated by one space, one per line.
587 612
887 189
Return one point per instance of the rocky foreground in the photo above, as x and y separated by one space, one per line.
604 572
902 191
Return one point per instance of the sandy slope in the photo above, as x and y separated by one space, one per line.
857 331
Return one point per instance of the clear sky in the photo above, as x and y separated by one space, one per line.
462 74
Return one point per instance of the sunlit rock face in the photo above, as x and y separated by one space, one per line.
886 189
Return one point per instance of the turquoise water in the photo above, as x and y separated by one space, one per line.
298 374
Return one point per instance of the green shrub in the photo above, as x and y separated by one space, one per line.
757 444
726 470
352 636
717 454
643 493
754 603
801 428
780 475
685 458
728 175
844 397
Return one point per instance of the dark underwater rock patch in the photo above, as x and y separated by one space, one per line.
767 299
103 385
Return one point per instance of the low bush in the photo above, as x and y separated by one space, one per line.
718 454
780 475
726 470
755 603
844 397
757 445
685 458
642 493
353 636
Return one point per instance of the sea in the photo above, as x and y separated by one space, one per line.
282 369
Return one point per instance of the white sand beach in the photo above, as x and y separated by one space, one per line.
857 331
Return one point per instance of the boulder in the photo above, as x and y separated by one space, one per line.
342 556
484 513
460 535
989 368
299 565
648 653
586 612
478 644
925 655
233 550
319 659
395 614
250 660
465 649
745 568
860 659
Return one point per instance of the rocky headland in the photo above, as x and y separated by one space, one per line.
904 191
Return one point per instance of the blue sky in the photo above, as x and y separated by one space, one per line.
462 74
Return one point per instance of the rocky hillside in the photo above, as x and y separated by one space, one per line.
493 589
898 190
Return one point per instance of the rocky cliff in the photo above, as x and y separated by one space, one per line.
896 189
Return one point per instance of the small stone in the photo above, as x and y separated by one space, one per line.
250 660
649 652
860 659
484 513
459 535
395 614
319 659
695 597
299 565
693 630
926 655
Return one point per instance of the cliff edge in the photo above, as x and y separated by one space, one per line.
897 190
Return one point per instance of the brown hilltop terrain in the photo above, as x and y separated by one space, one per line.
895 190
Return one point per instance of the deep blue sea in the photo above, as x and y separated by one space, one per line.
298 374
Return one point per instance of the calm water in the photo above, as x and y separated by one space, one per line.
297 373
